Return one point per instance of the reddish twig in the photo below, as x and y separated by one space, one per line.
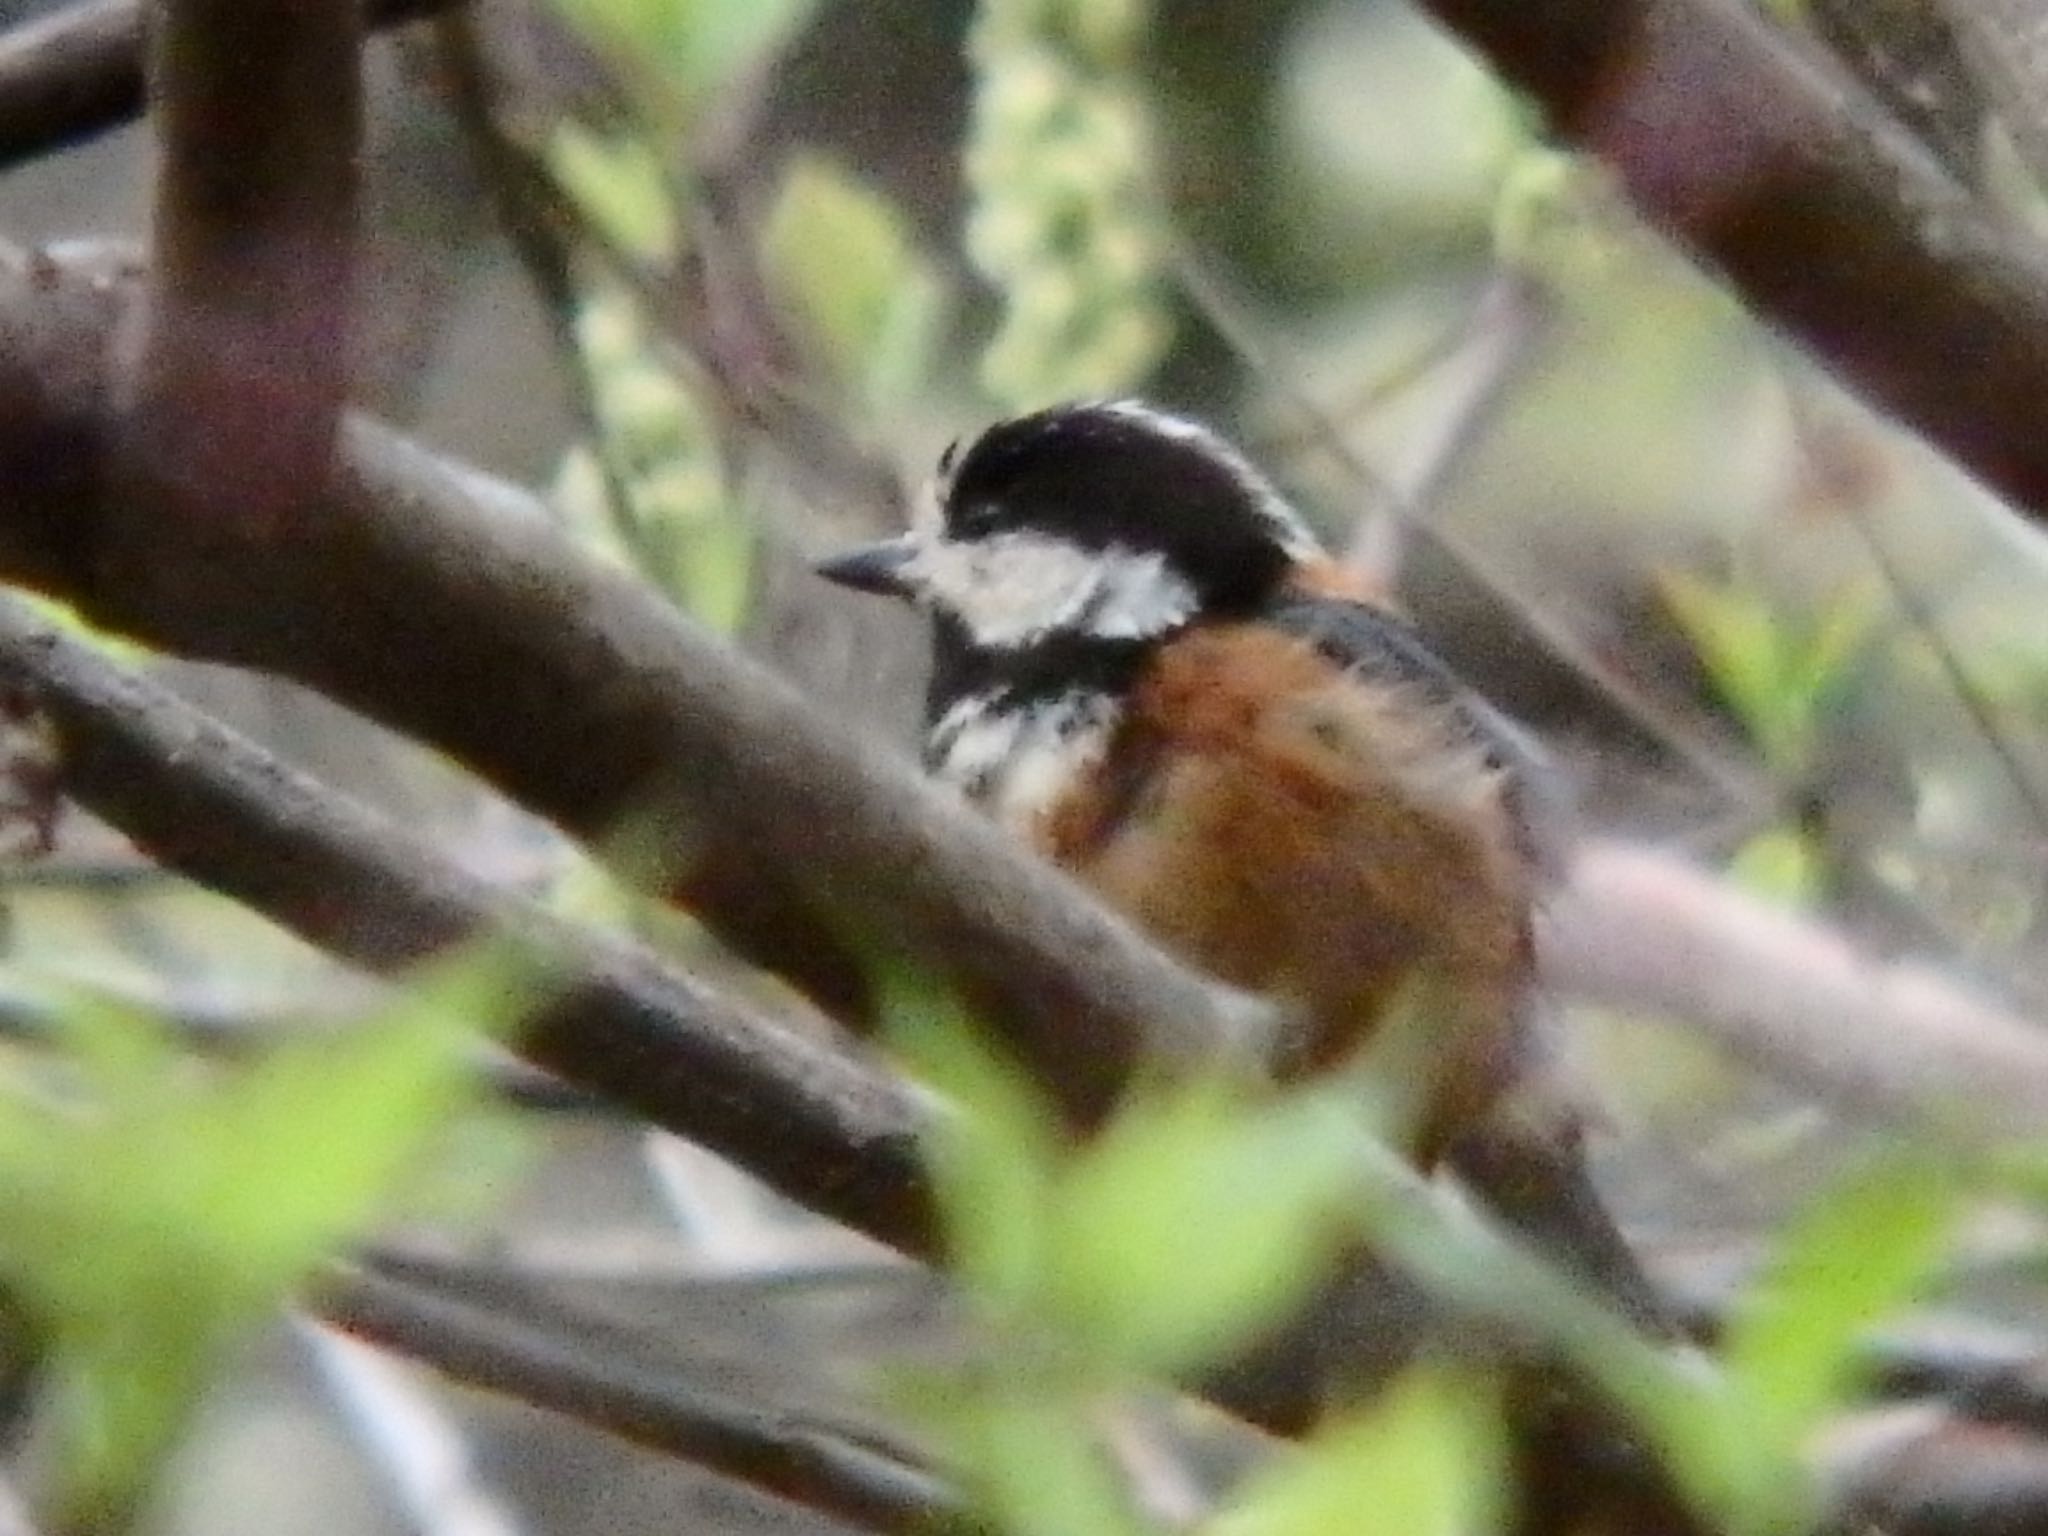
1773 167
243 362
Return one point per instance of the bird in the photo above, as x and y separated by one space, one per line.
1147 668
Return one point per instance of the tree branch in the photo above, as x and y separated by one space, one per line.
1898 1043
776 1452
1767 162
243 362
811 1124
831 1135
77 72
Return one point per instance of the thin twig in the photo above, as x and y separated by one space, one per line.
805 1255
1921 618
777 1452
411 1439
533 220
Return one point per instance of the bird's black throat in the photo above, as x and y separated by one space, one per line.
1056 665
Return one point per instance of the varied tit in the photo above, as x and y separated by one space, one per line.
1145 665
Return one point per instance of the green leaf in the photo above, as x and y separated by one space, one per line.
1427 1460
154 1212
1033 1464
839 256
1781 865
1777 676
724 39
1792 1355
620 186
1866 1249
1838 638
1740 648
995 1145
342 1119
688 50
1196 1219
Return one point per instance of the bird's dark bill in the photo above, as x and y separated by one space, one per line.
882 568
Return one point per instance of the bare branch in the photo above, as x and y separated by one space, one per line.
1920 1471
1773 167
799 1116
1641 931
452 607
622 1024
243 362
77 72
776 1452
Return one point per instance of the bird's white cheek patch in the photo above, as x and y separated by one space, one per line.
1013 589
1134 598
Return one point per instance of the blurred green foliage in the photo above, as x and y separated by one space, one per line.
1202 1215
156 1211
842 263
677 56
1428 1459
1869 1247
673 519
1199 1218
1782 676
619 185
1779 674
1062 224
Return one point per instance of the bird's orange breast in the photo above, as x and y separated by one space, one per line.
1324 838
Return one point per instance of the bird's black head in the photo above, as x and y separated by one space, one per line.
1082 532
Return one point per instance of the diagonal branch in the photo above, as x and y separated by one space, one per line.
1891 1042
822 1131
777 1452
827 1133
1777 170
446 602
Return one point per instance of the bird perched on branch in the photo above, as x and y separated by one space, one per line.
1145 665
